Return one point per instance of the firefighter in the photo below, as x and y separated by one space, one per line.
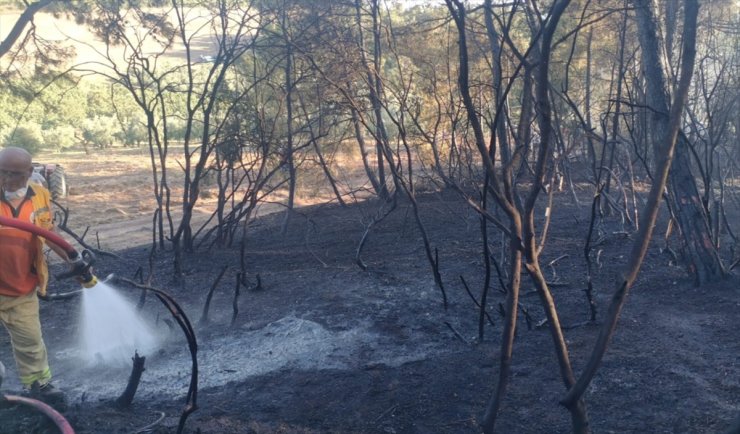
24 273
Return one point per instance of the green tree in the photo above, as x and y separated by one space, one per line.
98 131
60 138
27 137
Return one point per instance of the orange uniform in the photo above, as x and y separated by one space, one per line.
22 263
23 271
17 252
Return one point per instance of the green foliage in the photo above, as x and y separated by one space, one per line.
133 133
98 102
27 137
12 4
418 72
63 113
7 118
177 129
99 131
59 138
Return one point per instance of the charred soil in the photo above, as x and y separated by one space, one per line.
322 346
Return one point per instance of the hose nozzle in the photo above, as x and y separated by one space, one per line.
81 269
88 282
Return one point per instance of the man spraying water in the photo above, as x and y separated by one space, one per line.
111 328
24 272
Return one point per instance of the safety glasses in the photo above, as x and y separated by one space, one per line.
12 174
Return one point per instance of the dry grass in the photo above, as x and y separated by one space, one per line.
111 192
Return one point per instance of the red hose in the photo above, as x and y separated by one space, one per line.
49 235
55 416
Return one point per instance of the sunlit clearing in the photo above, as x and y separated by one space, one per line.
111 329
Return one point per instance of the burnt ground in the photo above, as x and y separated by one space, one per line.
325 347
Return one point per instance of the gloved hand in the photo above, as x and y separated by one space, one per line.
76 265
81 269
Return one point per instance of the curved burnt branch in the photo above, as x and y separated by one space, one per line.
379 216
209 297
182 320
62 215
477 304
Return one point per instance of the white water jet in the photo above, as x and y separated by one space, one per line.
111 329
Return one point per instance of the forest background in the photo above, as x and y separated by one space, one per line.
505 104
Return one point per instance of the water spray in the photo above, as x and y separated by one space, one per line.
110 324
81 269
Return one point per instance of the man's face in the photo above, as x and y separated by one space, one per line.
14 173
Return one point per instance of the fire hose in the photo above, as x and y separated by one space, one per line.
81 262
47 410
41 407
82 270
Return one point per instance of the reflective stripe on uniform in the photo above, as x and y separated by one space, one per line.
42 377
